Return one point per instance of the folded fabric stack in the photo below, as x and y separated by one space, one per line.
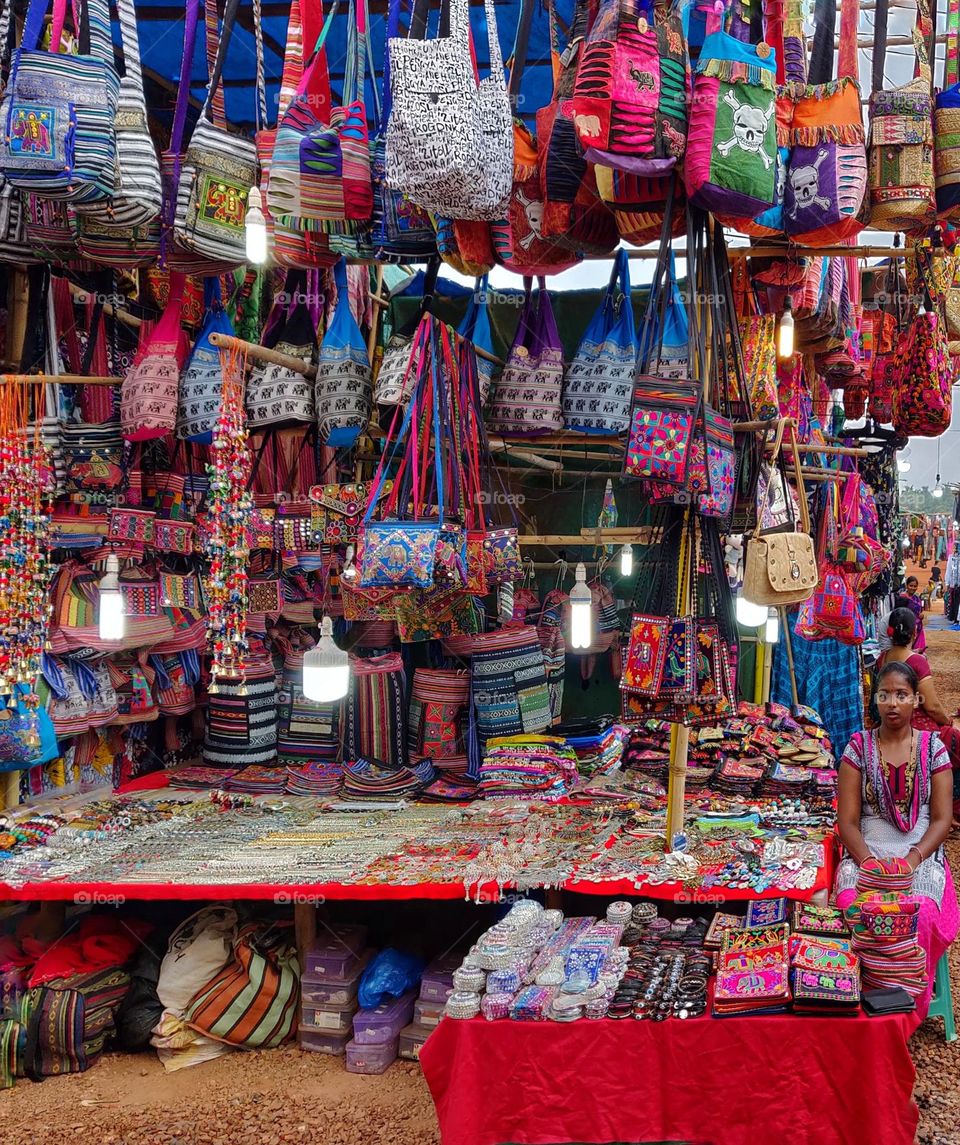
648 750
199 778
825 975
738 777
884 920
599 748
528 767
374 779
319 780
753 971
258 780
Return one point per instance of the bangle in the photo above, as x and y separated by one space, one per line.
919 852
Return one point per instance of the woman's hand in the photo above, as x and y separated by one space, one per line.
914 858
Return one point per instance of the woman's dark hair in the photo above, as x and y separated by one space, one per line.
902 627
898 668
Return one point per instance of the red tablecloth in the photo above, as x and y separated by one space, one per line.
766 1080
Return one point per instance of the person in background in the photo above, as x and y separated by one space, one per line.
935 587
911 592
894 802
930 714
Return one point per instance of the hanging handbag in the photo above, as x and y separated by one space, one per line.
902 194
117 232
638 203
201 386
923 379
344 384
148 396
526 397
833 612
401 229
781 568
320 170
449 138
401 553
629 99
14 242
827 179
398 370
59 110
218 170
946 123
598 385
277 395
731 162
475 328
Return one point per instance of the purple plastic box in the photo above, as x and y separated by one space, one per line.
337 953
320 1042
437 982
384 1023
321 991
428 1014
336 1020
412 1038
371 1058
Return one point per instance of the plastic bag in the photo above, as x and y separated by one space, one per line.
390 974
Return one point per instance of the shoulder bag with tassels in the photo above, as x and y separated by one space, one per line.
218 171
781 568
902 196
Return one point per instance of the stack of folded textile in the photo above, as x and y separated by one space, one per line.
258 780
320 780
199 778
374 779
598 744
884 919
527 766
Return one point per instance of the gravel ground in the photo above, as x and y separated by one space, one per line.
280 1096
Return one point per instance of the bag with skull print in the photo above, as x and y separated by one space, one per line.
598 387
731 163
827 179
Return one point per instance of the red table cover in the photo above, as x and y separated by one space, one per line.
762 1080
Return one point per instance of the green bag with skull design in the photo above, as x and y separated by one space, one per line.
731 160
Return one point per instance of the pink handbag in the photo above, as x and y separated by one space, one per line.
148 397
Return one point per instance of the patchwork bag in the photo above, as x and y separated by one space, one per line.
201 387
598 385
526 398
946 123
922 392
827 179
320 170
629 99
449 142
902 194
148 396
731 163
118 231
218 170
344 385
277 395
833 612
58 110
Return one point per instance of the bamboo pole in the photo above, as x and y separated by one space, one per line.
758 672
788 639
18 301
263 354
58 379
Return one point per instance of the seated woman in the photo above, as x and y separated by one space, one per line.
895 792
930 714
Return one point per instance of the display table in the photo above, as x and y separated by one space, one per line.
763 1080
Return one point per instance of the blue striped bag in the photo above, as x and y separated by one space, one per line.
58 111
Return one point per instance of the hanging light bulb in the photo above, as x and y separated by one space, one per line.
903 466
785 336
938 488
750 615
112 622
326 668
626 560
771 630
349 568
581 611
255 226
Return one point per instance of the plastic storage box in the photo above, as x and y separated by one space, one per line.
437 982
371 1058
337 955
321 991
334 1020
427 1014
383 1023
321 1042
412 1038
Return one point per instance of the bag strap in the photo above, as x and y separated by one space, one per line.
293 60
849 22
520 49
879 43
229 20
261 83
821 57
921 33
180 116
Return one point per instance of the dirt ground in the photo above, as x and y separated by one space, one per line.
280 1096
